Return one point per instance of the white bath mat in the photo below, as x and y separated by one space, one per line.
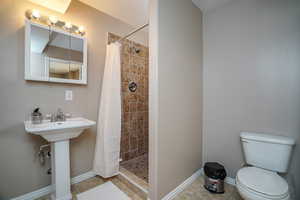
105 191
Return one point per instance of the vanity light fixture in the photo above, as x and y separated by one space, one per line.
35 14
54 21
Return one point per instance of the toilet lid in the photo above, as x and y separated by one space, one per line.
263 181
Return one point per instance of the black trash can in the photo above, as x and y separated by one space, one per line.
214 177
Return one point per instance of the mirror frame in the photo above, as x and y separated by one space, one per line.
28 76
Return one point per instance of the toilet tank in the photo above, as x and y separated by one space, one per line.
267 151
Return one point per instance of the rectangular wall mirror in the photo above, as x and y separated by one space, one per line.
54 55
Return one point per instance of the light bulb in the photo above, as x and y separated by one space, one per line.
35 14
53 19
81 29
68 25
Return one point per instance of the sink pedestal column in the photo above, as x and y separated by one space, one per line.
60 164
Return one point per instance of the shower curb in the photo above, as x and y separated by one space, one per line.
142 192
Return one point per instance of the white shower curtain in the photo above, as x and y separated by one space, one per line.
106 161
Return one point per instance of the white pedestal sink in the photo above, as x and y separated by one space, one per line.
59 134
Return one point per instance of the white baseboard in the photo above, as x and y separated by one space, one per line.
48 189
182 186
35 194
230 181
82 177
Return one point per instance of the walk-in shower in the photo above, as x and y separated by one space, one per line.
134 95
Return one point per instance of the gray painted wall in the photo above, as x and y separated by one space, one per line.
179 145
251 77
20 171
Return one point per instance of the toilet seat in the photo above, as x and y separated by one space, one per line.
259 184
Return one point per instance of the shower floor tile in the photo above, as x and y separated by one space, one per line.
138 166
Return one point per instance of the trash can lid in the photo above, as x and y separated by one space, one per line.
215 170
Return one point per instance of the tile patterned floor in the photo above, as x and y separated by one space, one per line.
95 181
138 166
196 191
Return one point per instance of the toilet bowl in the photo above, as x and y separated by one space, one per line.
258 184
267 155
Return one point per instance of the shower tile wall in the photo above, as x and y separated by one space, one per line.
134 68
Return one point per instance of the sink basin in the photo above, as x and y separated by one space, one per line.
59 134
55 131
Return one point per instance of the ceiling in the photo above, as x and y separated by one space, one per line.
133 12
57 5
207 5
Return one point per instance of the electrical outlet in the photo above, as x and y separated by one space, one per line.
68 95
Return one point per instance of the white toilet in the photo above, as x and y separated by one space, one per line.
267 155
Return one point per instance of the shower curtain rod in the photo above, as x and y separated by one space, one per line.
132 32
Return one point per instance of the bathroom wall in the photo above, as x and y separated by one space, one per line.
134 68
178 135
251 77
20 171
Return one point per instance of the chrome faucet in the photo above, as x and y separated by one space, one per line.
59 116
